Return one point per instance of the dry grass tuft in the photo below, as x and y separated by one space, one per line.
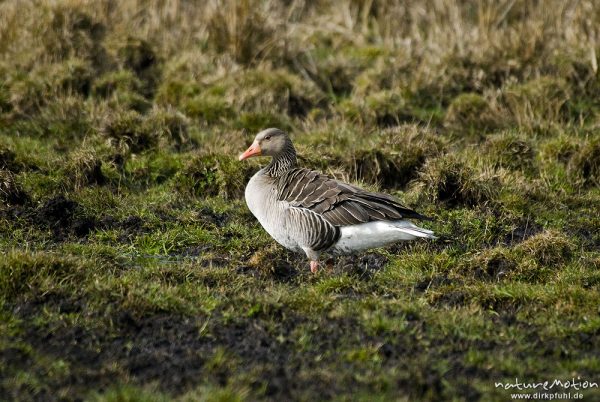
212 175
84 168
538 102
127 132
549 248
30 93
116 81
397 157
511 151
494 264
73 32
534 260
243 30
560 149
8 160
130 131
384 109
453 182
11 192
271 90
73 76
585 163
66 118
259 94
123 90
170 126
472 112
140 57
26 95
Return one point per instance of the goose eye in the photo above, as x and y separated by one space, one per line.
268 137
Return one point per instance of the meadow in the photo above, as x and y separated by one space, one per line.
132 270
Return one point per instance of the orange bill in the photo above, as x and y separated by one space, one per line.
253 150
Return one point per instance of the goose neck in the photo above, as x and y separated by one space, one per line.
282 162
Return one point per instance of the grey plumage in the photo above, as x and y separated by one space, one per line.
308 211
339 203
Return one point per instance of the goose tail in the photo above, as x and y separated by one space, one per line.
354 238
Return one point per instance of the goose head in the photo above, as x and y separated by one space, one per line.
269 142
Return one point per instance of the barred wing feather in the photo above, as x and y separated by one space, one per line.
339 203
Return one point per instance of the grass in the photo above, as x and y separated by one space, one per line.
132 270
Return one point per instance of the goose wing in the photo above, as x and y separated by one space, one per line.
339 203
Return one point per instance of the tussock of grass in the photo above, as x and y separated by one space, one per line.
537 103
495 264
31 92
332 74
265 96
24 274
241 30
8 160
116 84
170 125
559 149
26 95
549 248
84 168
130 131
107 83
126 131
386 108
212 174
409 149
453 182
208 109
537 259
139 56
72 32
511 151
472 112
270 90
10 191
585 163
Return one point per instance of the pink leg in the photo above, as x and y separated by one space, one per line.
314 265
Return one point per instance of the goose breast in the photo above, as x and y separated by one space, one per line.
296 228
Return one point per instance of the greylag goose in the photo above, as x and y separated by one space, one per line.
306 211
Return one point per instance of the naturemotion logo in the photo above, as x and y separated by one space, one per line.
574 384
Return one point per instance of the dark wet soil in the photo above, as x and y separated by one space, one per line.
64 217
523 231
495 269
67 219
8 161
208 216
363 266
129 226
94 175
172 351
